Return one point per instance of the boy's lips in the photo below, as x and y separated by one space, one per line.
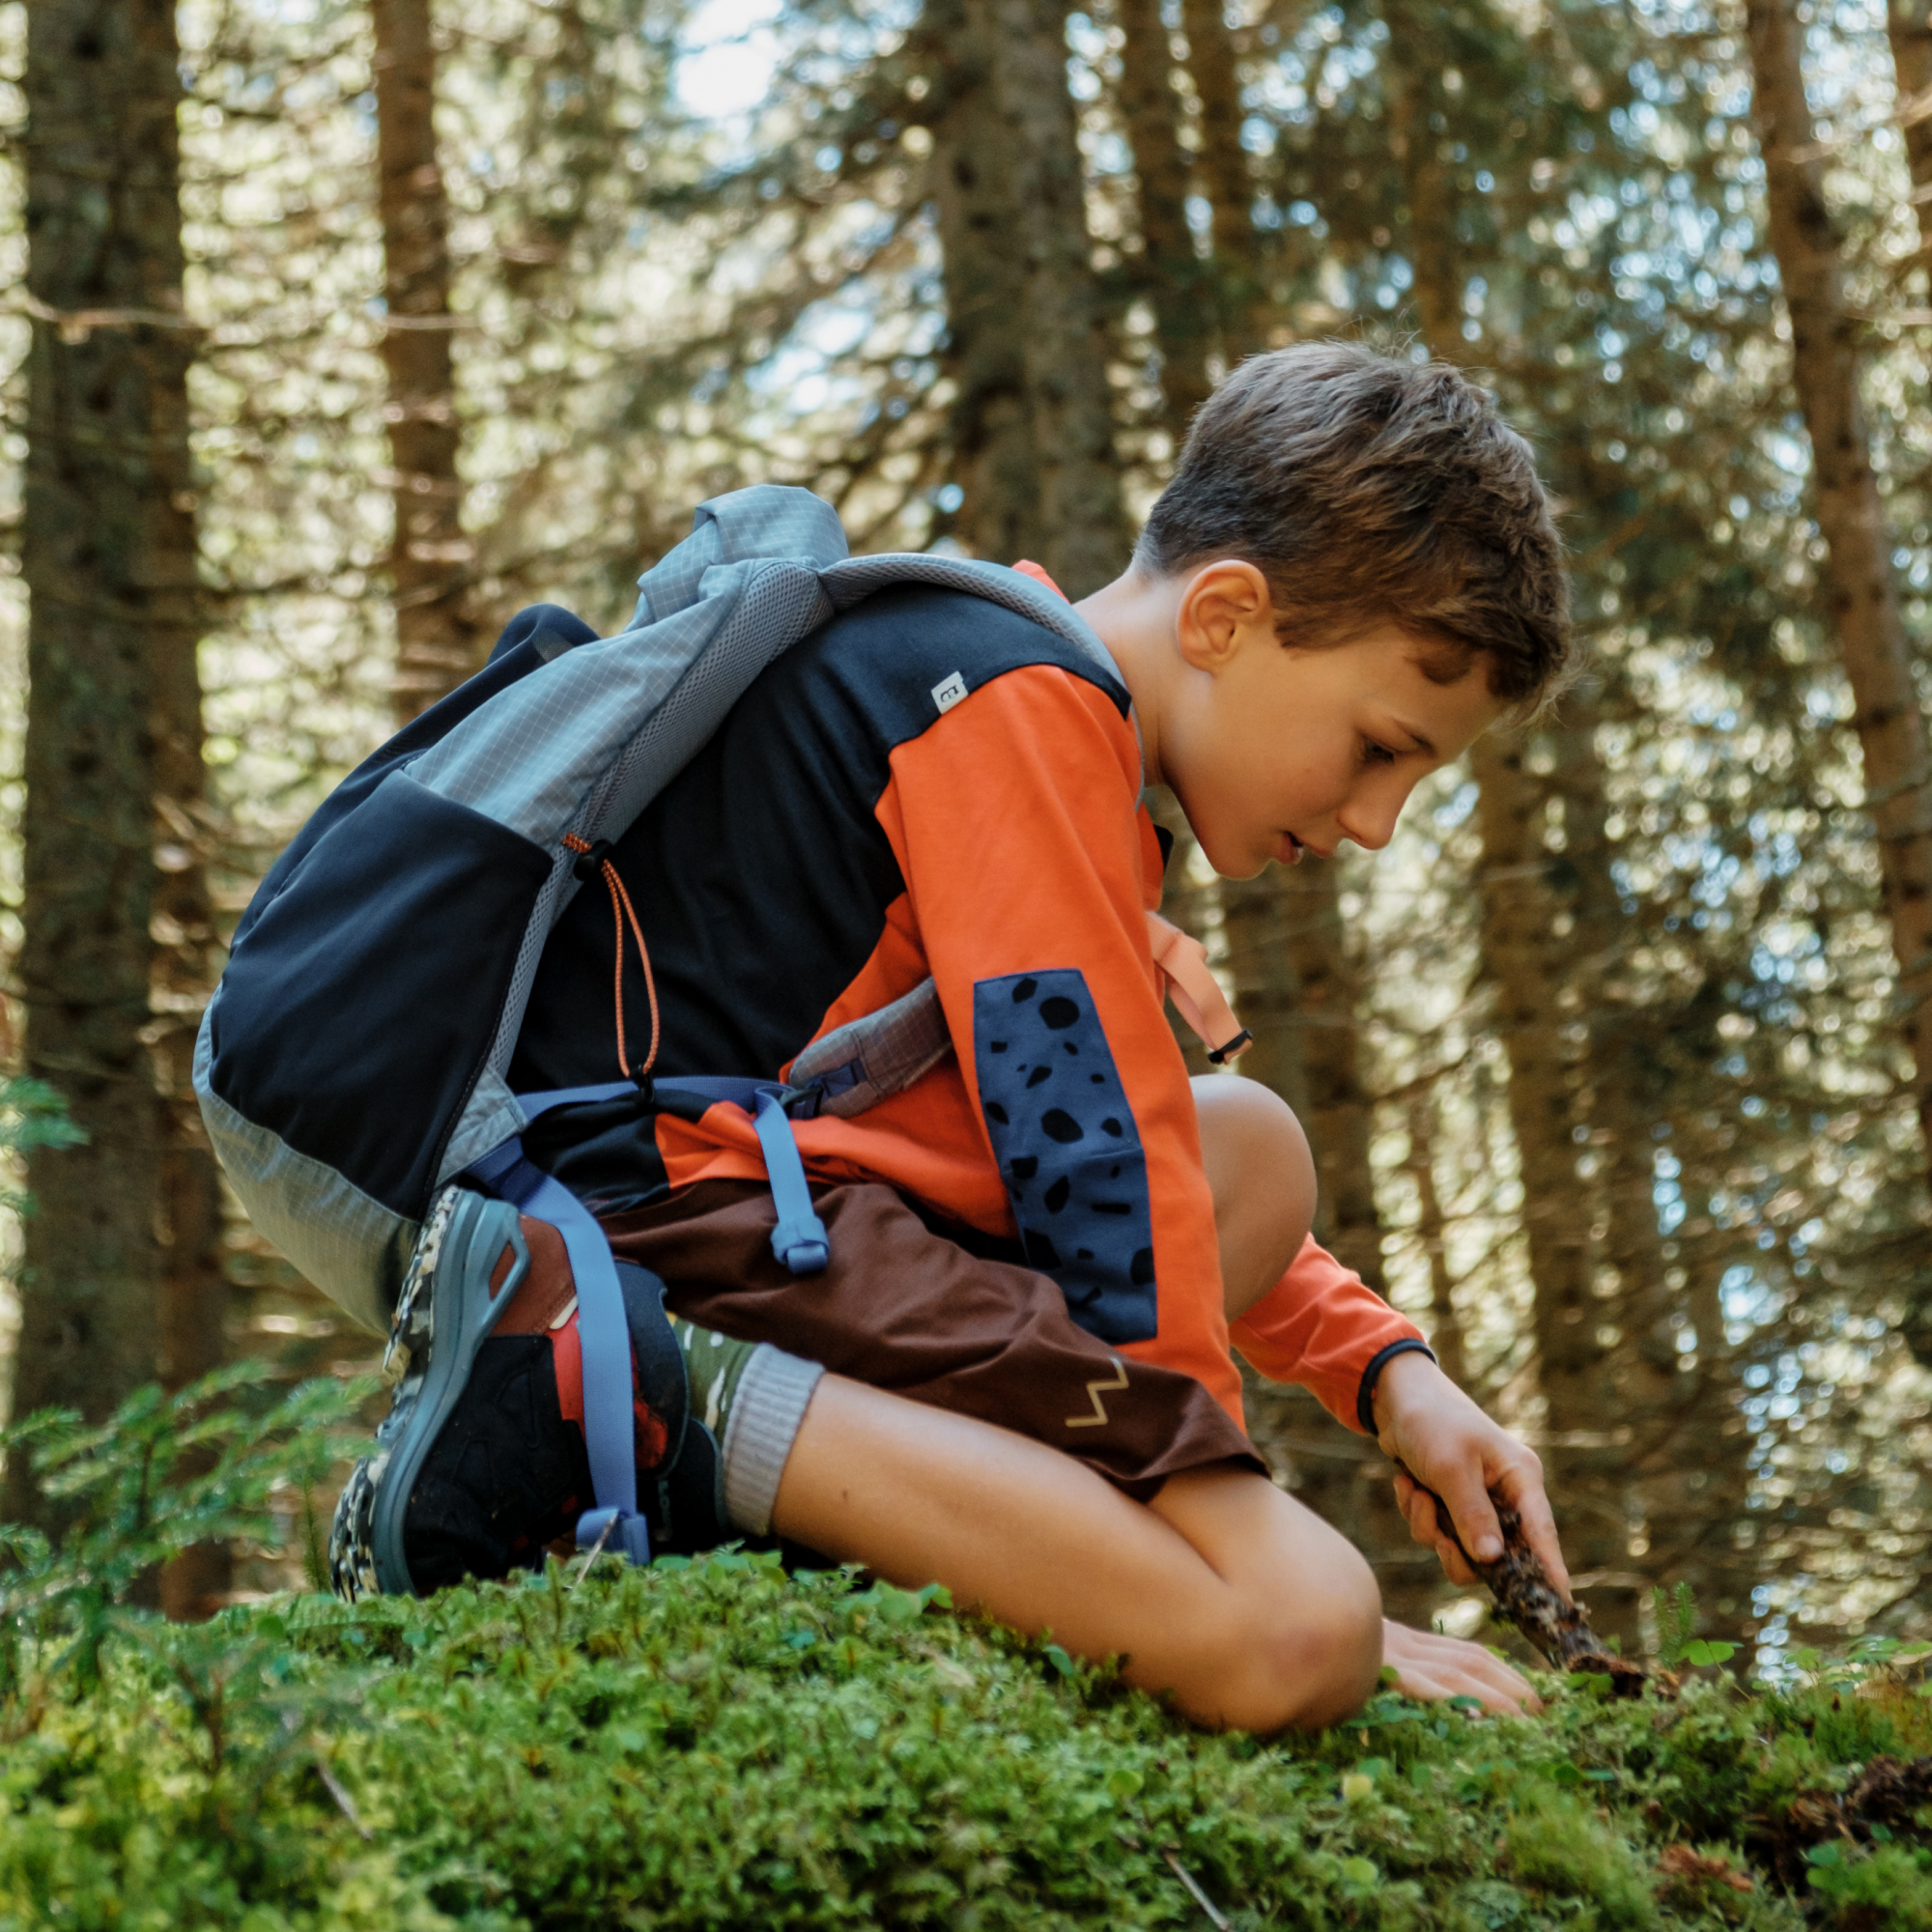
1290 850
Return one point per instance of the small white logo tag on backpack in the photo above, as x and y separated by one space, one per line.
946 695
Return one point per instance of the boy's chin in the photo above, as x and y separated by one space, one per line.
1237 860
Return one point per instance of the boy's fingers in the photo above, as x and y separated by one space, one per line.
1539 1528
1418 1506
1484 1674
1474 1515
1435 1668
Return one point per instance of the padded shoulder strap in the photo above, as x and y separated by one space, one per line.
769 520
847 583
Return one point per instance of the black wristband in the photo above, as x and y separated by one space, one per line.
1365 1399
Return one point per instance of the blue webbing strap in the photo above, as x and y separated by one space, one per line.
800 1240
610 1435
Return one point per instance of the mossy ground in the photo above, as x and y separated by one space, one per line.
721 1745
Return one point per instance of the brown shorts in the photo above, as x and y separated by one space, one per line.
905 1308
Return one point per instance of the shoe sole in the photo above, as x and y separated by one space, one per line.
443 1315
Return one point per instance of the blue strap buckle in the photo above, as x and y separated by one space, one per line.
800 1240
619 1530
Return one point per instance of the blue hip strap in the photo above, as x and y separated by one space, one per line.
799 1241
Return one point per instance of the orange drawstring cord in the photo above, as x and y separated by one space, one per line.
622 911
618 894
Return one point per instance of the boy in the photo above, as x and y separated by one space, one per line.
1014 1375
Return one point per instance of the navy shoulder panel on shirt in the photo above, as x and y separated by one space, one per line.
906 657
761 875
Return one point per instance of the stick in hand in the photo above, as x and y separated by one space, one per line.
1526 1597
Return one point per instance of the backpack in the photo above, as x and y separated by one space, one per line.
351 1062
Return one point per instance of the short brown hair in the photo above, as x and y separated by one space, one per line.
1369 490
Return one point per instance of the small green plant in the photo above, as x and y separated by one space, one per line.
1677 1641
32 1115
161 1474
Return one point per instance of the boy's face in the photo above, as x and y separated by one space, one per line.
1276 750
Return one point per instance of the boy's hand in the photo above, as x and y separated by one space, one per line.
1426 1423
1430 1667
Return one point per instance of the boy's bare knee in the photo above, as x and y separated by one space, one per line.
1349 1646
1309 1661
1261 1176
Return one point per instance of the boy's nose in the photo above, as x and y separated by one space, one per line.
1370 818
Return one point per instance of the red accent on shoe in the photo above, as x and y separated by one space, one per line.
567 1360
543 1295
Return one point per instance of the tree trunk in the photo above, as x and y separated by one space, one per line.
438 643
985 293
1083 538
1530 959
1338 1113
1445 1323
1174 279
1909 24
1861 593
194 1286
1267 990
1428 190
108 553
1225 178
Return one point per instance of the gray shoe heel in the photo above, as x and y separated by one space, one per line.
444 1313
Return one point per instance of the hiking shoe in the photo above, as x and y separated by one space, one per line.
506 1477
469 1261
481 1465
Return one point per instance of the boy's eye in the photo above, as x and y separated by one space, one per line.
1376 755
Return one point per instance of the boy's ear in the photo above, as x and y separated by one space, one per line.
1225 606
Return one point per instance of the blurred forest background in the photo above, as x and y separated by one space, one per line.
331 334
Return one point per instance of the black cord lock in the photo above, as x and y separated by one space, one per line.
590 864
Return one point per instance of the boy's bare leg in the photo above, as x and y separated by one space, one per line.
1262 1177
1225 1592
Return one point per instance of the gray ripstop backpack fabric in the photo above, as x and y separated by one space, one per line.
354 1058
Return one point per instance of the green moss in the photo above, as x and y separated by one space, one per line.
1846 1729
721 1745
1558 1845
1889 1890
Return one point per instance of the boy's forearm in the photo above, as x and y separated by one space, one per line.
1325 1328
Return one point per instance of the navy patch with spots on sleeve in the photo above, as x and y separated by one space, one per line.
1067 1148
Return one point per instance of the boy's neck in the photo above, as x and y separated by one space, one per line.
1134 618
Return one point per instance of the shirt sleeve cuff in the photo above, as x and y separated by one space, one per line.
1364 1397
